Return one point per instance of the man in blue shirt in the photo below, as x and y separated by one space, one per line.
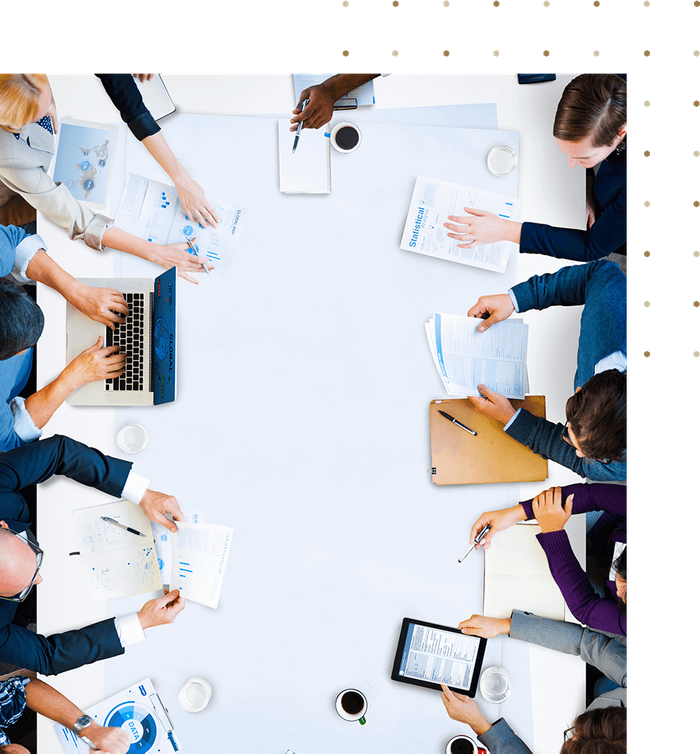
594 442
23 258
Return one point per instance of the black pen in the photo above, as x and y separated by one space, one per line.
459 424
122 526
299 127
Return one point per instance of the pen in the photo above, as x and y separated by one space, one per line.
459 424
477 539
299 127
86 740
194 251
122 526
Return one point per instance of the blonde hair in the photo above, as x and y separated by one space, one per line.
20 99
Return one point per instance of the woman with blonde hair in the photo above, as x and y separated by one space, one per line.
27 134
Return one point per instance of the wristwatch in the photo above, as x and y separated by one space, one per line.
81 723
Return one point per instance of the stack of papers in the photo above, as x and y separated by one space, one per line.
465 357
433 200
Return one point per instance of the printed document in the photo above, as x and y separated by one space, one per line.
116 563
200 553
432 201
152 211
465 357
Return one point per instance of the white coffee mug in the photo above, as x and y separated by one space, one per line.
352 702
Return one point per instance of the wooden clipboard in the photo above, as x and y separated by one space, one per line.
458 457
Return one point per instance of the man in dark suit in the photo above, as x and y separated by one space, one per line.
20 555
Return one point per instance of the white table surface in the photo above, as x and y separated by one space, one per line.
341 320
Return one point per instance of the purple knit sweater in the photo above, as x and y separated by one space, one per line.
604 614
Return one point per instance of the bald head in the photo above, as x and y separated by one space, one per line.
17 563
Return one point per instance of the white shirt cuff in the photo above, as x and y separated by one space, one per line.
616 360
511 420
129 629
25 428
514 300
24 253
135 487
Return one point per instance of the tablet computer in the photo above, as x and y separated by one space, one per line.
428 655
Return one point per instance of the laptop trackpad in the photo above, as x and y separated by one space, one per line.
83 336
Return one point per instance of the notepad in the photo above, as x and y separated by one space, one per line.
360 95
200 554
116 563
433 200
308 170
517 576
156 97
466 358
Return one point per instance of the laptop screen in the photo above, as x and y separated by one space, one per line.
163 349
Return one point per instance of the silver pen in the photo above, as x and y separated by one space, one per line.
194 251
477 539
299 127
122 526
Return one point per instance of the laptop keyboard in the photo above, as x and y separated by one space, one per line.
129 337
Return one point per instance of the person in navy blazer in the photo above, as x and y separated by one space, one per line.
590 128
20 556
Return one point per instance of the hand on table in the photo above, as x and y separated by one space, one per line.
464 710
487 628
156 504
498 308
548 509
318 112
161 610
178 255
112 740
493 405
194 202
103 305
95 363
499 521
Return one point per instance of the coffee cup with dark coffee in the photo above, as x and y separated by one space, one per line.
464 745
345 137
351 705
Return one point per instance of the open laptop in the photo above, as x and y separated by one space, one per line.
147 336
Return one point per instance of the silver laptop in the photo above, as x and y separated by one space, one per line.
148 337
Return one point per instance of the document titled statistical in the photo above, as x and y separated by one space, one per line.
465 357
152 211
432 201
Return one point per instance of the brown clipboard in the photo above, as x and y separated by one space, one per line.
458 457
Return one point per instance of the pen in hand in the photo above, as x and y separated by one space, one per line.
299 127
194 251
477 539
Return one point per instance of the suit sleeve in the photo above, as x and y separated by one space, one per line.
500 739
126 97
57 653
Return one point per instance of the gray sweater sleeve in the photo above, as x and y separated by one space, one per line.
500 739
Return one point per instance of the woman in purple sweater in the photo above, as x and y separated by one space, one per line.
601 613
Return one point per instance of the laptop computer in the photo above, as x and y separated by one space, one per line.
148 337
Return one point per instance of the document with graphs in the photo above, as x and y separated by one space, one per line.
433 200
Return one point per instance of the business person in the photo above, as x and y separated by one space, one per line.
21 323
552 509
21 557
28 124
20 692
604 723
593 442
126 96
590 128
323 96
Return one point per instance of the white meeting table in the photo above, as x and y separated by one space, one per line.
302 422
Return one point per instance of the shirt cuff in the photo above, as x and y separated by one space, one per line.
511 420
135 487
25 428
514 300
96 228
24 253
129 629
616 360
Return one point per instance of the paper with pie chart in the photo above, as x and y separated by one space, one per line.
151 210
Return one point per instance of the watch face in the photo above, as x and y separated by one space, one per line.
81 723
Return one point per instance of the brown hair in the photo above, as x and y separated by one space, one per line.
19 99
595 105
597 415
599 731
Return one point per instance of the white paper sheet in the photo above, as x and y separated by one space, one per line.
308 170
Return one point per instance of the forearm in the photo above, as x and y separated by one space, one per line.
118 239
42 405
163 155
43 269
49 702
342 83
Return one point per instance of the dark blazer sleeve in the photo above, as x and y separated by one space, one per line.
125 95
57 653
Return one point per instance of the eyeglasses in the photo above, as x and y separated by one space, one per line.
569 733
565 435
39 558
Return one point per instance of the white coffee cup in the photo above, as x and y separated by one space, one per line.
195 695
352 703
462 746
346 137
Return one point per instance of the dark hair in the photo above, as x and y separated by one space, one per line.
597 415
21 320
599 731
595 105
620 564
